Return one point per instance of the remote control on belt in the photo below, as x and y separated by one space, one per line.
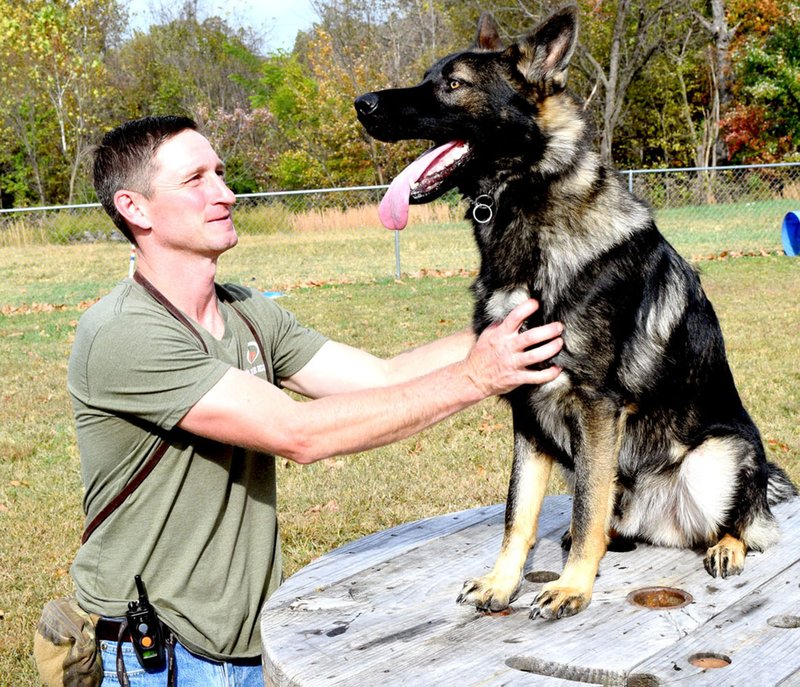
145 630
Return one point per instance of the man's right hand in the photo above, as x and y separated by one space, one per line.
501 359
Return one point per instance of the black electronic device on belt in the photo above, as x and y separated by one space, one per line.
145 629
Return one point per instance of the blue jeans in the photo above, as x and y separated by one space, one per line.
192 670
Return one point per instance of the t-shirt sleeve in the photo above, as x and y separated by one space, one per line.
156 373
290 345
294 346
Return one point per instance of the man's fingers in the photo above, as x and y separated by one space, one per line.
543 376
532 337
541 353
519 314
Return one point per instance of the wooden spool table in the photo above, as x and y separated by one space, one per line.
382 611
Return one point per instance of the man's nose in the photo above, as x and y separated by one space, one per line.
226 195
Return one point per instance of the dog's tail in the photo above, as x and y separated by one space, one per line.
779 487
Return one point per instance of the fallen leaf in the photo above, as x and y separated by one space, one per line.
330 507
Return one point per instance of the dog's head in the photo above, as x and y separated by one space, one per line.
482 108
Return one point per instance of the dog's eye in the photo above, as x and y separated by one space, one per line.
454 84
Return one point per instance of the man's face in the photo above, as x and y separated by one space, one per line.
189 205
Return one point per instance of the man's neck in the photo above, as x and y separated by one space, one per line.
189 286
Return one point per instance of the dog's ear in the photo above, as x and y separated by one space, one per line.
488 36
544 55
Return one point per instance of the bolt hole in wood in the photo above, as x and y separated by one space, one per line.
541 576
660 598
785 622
709 661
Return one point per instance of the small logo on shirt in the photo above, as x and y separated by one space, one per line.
252 352
252 355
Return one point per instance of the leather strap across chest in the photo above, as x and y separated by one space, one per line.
162 447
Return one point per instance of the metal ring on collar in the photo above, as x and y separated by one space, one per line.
482 211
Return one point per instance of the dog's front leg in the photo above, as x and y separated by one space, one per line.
596 433
529 476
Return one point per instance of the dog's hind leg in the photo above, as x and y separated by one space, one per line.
749 523
596 436
529 476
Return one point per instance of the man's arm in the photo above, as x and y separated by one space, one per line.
246 411
337 368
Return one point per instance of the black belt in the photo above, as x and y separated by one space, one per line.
107 629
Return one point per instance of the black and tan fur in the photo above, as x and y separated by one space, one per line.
645 417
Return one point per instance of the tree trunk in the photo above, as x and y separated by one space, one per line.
721 71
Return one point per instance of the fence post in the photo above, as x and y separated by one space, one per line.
630 180
397 255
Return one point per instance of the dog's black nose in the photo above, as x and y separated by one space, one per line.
366 104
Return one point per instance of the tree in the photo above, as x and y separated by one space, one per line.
765 123
616 42
700 99
365 45
721 71
203 68
623 37
52 88
184 63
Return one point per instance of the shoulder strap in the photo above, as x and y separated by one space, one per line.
223 294
127 490
171 309
161 449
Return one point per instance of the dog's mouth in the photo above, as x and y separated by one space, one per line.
421 182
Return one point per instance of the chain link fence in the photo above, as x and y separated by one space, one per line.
703 212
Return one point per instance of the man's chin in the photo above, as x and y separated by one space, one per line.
233 239
219 244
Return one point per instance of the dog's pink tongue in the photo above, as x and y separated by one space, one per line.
393 210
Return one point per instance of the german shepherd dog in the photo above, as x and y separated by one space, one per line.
645 417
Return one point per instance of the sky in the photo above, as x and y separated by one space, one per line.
277 20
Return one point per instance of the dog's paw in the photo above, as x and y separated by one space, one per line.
555 602
486 594
726 558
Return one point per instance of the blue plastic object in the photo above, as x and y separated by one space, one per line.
791 233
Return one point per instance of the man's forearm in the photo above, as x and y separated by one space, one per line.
431 356
362 420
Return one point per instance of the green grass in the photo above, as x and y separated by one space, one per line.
461 463
700 231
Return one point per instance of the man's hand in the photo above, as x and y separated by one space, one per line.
502 356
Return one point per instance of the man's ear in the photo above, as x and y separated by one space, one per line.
129 205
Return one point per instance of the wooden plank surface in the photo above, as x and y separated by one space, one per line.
382 611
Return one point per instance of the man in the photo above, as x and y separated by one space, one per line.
170 363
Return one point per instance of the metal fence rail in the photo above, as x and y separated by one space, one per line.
702 211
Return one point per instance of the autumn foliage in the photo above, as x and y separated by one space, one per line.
659 81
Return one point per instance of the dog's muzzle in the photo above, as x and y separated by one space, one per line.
366 104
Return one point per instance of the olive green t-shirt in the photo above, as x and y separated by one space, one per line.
201 529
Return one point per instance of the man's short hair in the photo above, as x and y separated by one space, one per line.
124 160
